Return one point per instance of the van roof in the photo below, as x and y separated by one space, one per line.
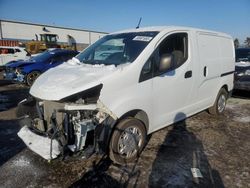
169 28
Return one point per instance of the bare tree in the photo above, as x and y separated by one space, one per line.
236 43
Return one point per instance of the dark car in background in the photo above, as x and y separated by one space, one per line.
242 69
242 54
27 71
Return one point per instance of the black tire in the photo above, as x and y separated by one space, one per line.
122 130
215 109
31 77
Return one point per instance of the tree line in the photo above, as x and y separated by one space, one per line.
246 43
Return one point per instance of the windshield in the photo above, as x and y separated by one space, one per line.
49 38
42 56
116 49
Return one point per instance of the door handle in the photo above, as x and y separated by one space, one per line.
188 74
205 71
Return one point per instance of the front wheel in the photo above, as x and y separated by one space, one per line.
31 77
220 103
127 141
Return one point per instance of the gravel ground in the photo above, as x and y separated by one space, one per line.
218 146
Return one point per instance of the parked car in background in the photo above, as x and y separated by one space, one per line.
242 69
28 71
242 54
8 53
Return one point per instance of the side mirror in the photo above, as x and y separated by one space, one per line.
166 62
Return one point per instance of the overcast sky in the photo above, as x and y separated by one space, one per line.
230 16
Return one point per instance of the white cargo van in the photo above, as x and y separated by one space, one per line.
10 53
125 86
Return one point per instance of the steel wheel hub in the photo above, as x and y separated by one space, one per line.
32 77
129 142
221 103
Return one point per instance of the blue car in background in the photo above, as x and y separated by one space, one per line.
27 71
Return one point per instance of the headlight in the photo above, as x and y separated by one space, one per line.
90 95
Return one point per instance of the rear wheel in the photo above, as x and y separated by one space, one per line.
127 141
31 77
220 103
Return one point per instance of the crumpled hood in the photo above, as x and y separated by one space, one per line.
68 79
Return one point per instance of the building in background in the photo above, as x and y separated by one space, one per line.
24 32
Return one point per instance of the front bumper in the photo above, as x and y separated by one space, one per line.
72 127
43 146
14 77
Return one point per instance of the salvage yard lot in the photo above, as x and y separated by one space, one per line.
218 146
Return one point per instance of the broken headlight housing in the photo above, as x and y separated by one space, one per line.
18 70
88 96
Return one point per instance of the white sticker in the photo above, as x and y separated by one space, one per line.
196 173
142 38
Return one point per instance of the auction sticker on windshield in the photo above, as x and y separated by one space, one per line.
142 38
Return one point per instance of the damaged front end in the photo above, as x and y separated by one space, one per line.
78 124
15 75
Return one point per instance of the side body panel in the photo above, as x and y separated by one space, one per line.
169 98
216 58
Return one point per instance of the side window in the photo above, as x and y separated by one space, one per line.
17 50
175 46
2 51
11 51
147 70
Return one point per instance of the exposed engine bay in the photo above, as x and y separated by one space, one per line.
60 128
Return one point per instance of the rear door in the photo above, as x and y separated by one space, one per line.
11 56
21 54
173 89
7 55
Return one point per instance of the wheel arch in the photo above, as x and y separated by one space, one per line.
33 70
138 114
26 75
225 86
